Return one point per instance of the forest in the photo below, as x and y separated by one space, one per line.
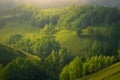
67 43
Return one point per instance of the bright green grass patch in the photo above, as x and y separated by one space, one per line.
69 39
13 27
115 76
109 73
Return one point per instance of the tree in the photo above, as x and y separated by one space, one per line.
91 68
85 69
55 62
44 46
108 61
14 38
118 55
0 67
24 44
112 60
79 32
90 32
23 69
64 75
95 46
74 70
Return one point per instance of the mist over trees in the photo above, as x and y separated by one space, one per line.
4 4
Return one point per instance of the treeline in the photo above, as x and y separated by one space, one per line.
56 65
22 69
105 38
77 68
72 17
30 69
40 46
54 58
75 17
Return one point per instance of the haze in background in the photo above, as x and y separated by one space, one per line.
4 4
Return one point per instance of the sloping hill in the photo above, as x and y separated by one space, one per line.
7 54
12 27
69 39
110 73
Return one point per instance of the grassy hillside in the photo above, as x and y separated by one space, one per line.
12 27
69 39
110 73
7 54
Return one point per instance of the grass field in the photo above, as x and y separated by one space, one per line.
69 39
12 27
110 73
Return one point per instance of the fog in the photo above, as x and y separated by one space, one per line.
56 3
51 3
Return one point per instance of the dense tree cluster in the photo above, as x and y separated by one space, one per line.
14 38
40 46
74 17
43 47
23 69
78 68
56 61
46 69
103 38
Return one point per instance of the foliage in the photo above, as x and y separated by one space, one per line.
112 72
40 46
14 38
1 67
56 61
43 47
73 16
88 33
78 68
21 69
